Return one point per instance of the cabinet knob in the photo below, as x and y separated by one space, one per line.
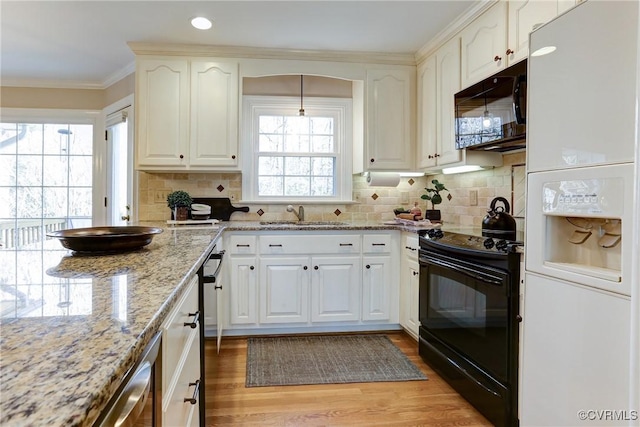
181 156
497 58
367 266
233 157
509 52
251 268
372 160
519 318
315 267
430 156
415 273
436 155
305 267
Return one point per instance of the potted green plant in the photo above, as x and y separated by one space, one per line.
433 195
179 202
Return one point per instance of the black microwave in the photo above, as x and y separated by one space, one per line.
491 115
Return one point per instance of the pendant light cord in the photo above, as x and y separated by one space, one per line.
301 112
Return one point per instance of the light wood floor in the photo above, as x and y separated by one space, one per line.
410 403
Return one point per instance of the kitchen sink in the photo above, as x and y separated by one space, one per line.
301 223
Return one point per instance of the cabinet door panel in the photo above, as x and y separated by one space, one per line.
162 112
483 40
335 289
427 112
284 290
214 113
448 71
376 288
388 134
243 291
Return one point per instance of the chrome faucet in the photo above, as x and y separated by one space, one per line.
299 214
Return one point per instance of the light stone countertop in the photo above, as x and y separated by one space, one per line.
61 362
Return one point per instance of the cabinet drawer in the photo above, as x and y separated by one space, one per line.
376 243
240 244
177 412
175 335
410 245
310 244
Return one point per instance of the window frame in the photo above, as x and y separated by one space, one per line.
339 108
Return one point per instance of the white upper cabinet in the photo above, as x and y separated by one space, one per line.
187 114
438 81
214 113
524 17
162 112
500 36
389 136
484 45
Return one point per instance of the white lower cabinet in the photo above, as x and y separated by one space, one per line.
317 280
284 289
335 288
181 361
376 288
409 284
243 290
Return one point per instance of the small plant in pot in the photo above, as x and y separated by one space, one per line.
433 195
179 202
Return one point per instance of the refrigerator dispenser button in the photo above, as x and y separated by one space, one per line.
578 237
609 240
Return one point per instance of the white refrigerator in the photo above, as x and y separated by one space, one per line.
578 356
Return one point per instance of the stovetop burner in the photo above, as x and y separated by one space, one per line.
462 242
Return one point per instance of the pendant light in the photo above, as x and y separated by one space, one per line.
301 111
487 118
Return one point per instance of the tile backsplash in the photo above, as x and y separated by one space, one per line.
370 203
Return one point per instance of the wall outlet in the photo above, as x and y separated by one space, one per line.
160 196
473 197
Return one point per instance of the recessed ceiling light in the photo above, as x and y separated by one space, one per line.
201 23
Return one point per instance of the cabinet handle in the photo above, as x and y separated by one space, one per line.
372 160
251 268
415 273
346 244
368 266
217 287
305 267
275 246
315 267
233 157
242 246
181 156
193 399
378 244
193 324
509 52
497 58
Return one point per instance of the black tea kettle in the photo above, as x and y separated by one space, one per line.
498 223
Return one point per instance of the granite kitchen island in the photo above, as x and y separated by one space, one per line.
76 324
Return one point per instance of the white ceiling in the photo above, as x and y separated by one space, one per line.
84 43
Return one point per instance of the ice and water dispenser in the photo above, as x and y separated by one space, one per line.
581 223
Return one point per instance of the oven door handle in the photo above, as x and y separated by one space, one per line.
425 259
470 377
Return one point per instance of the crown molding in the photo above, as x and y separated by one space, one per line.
50 84
119 75
141 48
453 28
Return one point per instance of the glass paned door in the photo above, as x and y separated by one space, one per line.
120 170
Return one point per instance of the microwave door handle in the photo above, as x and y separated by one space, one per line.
517 86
